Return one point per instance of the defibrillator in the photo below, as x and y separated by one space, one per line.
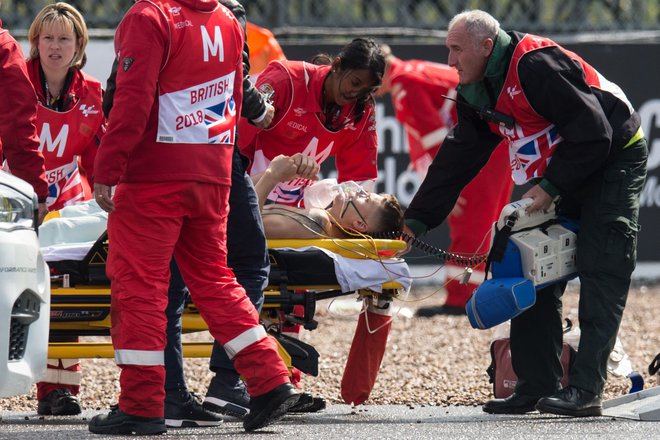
529 251
541 247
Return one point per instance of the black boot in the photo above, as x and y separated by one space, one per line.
514 404
308 403
572 401
117 422
270 407
59 402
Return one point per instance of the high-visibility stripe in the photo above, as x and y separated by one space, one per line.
248 337
63 377
139 357
637 136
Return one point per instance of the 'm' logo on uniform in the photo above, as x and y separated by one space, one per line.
213 47
47 141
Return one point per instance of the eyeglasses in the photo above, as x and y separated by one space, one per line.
349 202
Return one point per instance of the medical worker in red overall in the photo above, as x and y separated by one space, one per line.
418 89
169 150
19 142
70 124
320 111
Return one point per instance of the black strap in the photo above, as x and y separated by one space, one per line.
500 242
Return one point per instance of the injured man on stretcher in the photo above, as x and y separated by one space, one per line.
70 233
351 212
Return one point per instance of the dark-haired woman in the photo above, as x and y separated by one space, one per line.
320 111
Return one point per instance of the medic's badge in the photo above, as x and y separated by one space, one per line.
267 90
127 63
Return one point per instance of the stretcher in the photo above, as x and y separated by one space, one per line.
302 273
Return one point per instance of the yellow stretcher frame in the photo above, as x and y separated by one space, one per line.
191 319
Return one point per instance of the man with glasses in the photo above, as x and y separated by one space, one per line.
352 213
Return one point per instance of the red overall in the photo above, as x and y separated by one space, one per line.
169 144
417 89
68 139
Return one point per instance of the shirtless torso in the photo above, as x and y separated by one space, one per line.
281 221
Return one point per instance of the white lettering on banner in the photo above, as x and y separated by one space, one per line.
650 113
385 124
215 46
404 185
46 139
650 196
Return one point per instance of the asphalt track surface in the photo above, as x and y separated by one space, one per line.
364 422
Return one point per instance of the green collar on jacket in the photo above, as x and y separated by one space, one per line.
496 69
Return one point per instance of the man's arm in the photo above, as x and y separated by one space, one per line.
465 151
281 169
142 43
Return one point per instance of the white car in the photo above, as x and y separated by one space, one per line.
24 290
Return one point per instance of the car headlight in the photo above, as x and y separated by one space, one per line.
16 209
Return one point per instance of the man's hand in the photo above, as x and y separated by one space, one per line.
307 168
268 119
43 211
281 169
103 197
409 233
541 200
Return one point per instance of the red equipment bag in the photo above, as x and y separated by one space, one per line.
501 373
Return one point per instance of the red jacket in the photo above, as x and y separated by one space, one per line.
138 147
18 110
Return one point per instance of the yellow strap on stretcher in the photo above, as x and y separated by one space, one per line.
349 248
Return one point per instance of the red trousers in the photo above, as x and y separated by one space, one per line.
60 374
150 223
484 199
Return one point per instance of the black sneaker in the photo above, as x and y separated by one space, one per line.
59 403
308 403
188 414
117 422
233 401
270 407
